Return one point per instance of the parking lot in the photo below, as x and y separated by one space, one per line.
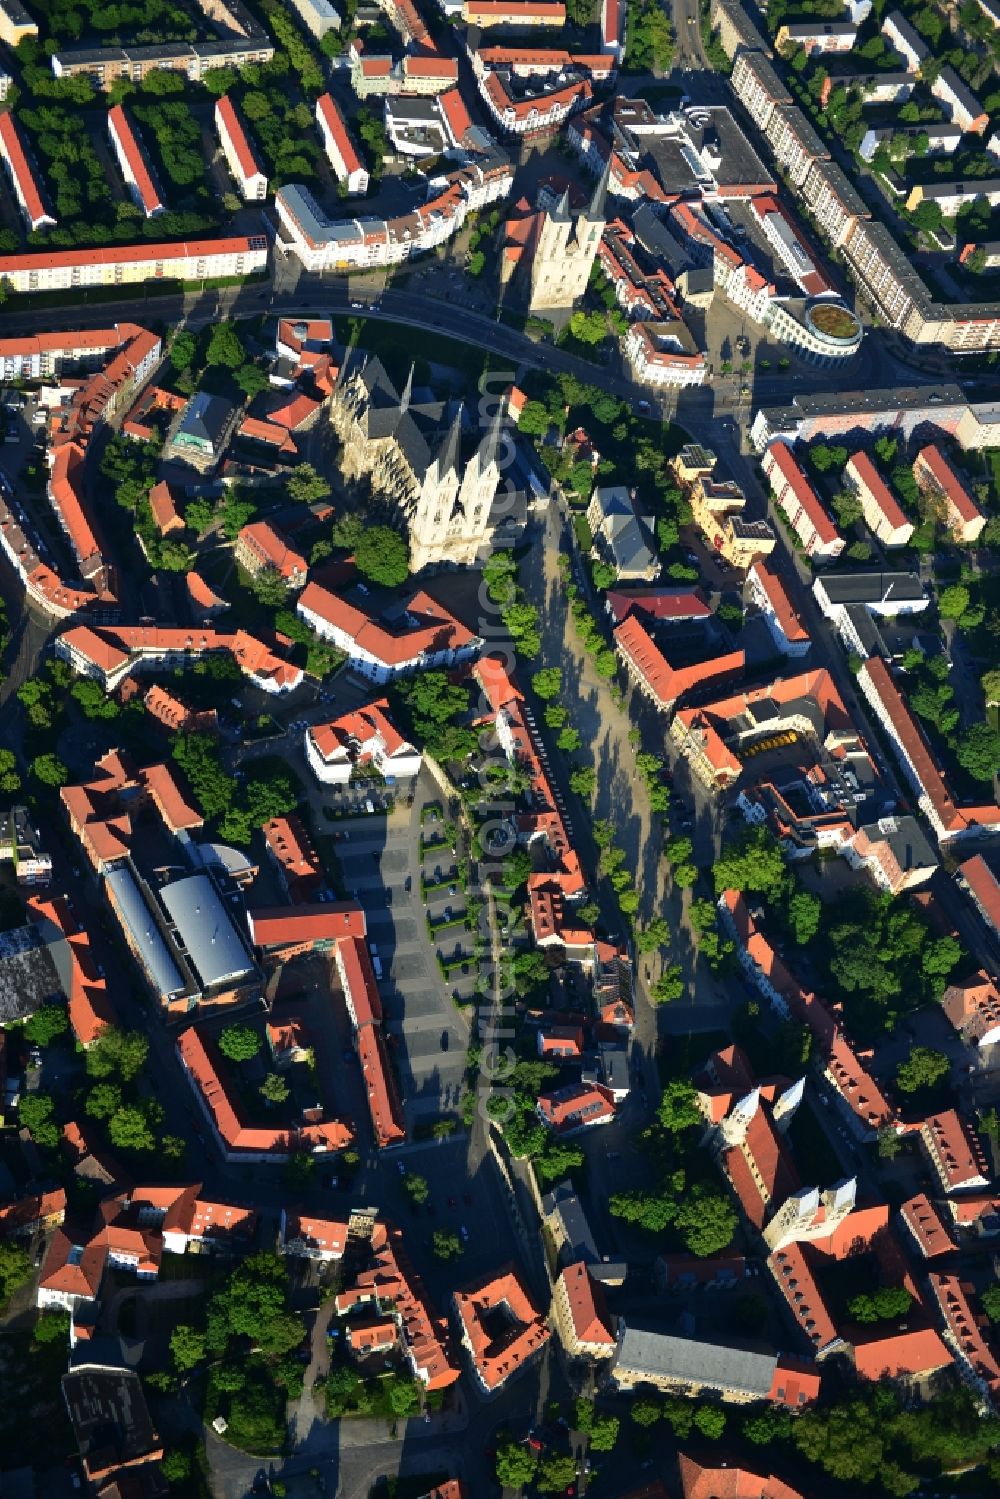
379 860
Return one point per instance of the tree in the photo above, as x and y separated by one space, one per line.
547 683
446 1245
654 934
803 913
103 1100
183 348
417 1188
15 1269
128 1129
381 555
556 1471
224 347
274 1088
710 1421
49 770
305 485
978 751
515 1465
991 1302
669 986
645 1413
347 531
46 1023
251 380
175 1466
602 1430
239 1043
117 1053
752 862
766 1426
706 1221
187 1347
678 1109
36 1114
953 601
270 588
52 1327
10 781
923 1068
990 683
583 782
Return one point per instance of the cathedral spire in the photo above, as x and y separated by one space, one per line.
599 200
407 395
450 450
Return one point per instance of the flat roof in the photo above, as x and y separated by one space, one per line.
875 588
206 929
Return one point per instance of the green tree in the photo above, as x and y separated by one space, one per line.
417 1188
15 1269
922 1069
706 1220
381 555
224 347
978 751
710 1421
183 348
990 683
239 1043
46 1023
251 380
669 986
274 1088
187 1347
51 1327
678 1108
446 1245
50 770
306 486
991 1302
601 1429
128 1129
953 601
175 1466
645 1412
655 933
547 683
583 782
103 1100
752 862
36 1114
515 1465
556 1471
270 588
10 781
803 915
117 1053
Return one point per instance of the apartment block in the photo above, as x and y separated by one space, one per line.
832 200
964 109
758 87
132 161
794 142
339 148
239 154
905 39
800 504
884 516
23 178
768 594
15 23
196 260
816 37
936 477
317 16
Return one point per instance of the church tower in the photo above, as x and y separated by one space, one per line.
431 520
565 250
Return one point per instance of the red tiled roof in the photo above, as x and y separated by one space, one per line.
455 112
924 1222
290 926
930 461
89 1004
272 550
120 126
13 148
657 603
879 490
66 489
290 844
984 888
164 507
785 462
497 1357
699 1481
436 629
669 683
229 120
389 1281
63 259
901 1354
334 122
788 617
956 1150
587 1306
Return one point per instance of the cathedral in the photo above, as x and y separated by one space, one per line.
423 459
549 251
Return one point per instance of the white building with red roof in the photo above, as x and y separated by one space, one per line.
426 634
365 736
800 504
23 178
613 28
240 155
110 653
768 593
954 1152
580 1316
340 150
973 1007
936 476
125 265
884 516
664 354
132 161
576 1107
260 547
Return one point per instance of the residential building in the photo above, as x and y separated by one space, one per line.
292 852
261 548
904 38
359 739
963 108
21 845
111 1425
15 23
621 535
973 1007
924 774
424 635
894 852
817 37
323 244
579 1314
692 1368
109 654
963 1332
196 260
909 1358
883 514
502 1331
132 161
223 1110
665 354
88 1002
954 1153
389 1285
926 1228
364 1006
23 178
574 1108
801 505
952 197
317 16
700 1481
936 476
613 28
311 1238
514 13
106 65
757 86
982 886
664 685
768 593
717 508
339 148
794 142
239 154
163 505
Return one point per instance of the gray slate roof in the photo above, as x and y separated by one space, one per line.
688 1361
